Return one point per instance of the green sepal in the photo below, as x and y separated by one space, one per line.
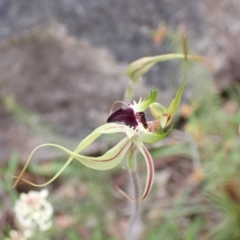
157 110
131 158
160 112
108 128
107 161
139 67
150 137
176 101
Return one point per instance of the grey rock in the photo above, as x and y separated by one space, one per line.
65 80
54 88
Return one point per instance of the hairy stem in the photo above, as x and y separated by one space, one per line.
135 223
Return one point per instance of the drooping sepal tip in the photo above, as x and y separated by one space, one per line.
109 160
139 67
150 173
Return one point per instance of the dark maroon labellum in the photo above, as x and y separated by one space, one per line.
126 116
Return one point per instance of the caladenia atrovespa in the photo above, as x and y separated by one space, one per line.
130 121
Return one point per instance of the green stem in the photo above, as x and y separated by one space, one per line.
134 226
131 158
129 92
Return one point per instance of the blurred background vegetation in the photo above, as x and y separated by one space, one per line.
62 65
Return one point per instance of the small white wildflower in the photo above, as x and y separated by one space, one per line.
32 211
15 235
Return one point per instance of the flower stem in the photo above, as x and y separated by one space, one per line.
135 223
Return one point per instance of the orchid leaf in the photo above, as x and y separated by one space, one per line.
139 67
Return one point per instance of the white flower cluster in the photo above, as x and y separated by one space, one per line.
33 211
15 235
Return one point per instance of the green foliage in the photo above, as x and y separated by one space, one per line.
6 175
217 144
24 116
228 200
171 231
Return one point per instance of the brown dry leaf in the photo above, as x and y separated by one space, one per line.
197 175
232 189
118 229
186 110
195 130
71 190
228 145
230 107
159 35
174 142
161 180
64 221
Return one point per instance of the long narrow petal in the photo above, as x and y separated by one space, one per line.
150 172
139 67
150 167
107 128
109 160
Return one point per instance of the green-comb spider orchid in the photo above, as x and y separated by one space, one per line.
136 133
136 129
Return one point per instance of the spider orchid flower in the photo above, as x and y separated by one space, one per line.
136 130
132 123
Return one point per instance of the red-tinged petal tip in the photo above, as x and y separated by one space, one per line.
150 173
126 195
